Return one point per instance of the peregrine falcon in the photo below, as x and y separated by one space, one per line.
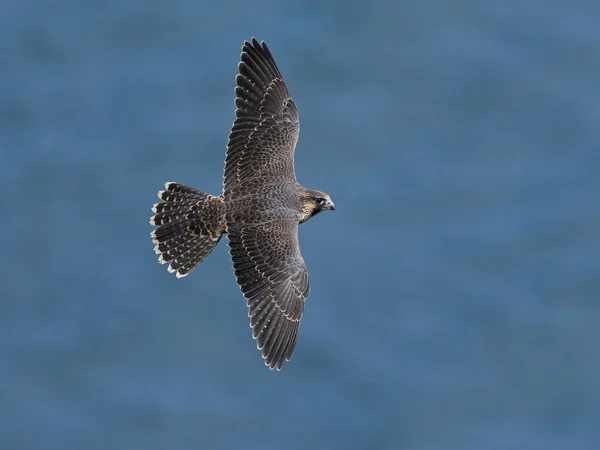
259 209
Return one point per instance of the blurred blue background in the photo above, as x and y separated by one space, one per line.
455 290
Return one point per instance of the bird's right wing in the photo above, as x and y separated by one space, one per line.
263 137
274 280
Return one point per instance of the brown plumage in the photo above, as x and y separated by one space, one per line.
259 209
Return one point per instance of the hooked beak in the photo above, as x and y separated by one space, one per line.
329 205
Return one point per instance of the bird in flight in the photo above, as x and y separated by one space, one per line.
259 209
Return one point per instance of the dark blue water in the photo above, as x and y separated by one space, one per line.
455 291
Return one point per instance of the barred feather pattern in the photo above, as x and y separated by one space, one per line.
263 137
274 280
188 227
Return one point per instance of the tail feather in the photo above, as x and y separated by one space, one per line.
178 193
188 227
198 250
179 213
174 229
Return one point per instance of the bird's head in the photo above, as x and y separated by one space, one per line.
313 202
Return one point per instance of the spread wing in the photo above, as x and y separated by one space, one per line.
264 135
274 280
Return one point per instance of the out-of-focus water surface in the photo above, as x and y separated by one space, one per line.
455 291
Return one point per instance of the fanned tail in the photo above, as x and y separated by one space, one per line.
189 227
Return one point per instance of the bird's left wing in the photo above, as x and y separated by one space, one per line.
274 280
263 137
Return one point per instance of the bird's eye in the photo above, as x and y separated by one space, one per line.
320 201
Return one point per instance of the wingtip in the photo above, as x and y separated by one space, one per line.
274 365
271 366
256 44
